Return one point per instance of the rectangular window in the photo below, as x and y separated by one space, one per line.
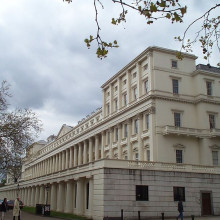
125 99
212 121
136 156
145 67
146 86
134 75
116 104
215 158
125 130
179 156
75 195
136 126
147 121
116 134
174 63
87 196
141 193
179 193
108 108
177 119
175 86
135 93
148 155
209 88
108 137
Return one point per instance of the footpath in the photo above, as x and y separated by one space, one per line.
27 216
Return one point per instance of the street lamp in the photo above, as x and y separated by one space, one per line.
47 190
18 188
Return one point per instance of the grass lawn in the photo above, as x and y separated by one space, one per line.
55 214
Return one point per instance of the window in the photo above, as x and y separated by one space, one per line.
135 93
179 156
108 108
108 137
174 63
147 121
75 195
116 134
175 86
116 104
125 130
212 121
116 88
136 126
177 121
126 157
108 93
145 67
134 75
179 193
141 193
125 81
136 156
215 158
148 155
146 86
125 99
87 196
209 87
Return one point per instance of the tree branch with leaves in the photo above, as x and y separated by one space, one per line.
154 10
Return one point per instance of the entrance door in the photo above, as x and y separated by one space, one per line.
206 203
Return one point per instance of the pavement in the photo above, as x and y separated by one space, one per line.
27 216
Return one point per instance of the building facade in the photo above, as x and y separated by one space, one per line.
154 141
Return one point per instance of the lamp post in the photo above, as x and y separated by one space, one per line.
47 190
18 188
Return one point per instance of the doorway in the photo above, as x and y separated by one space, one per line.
206 198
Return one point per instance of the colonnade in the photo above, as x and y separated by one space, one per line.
117 142
74 195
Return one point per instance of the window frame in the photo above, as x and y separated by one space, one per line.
212 120
174 64
177 191
125 130
215 161
177 120
136 126
175 86
209 88
142 193
179 156
146 86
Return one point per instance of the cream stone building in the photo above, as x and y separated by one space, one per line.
154 141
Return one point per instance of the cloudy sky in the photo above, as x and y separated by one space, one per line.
44 58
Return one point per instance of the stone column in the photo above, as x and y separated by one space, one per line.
139 79
75 156
41 199
110 144
119 141
119 94
129 86
69 197
67 159
80 154
57 163
130 154
85 159
90 150
96 147
53 197
140 141
91 197
33 196
103 144
61 197
63 160
80 197
37 192
60 161
71 158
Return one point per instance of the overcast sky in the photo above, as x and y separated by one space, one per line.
44 58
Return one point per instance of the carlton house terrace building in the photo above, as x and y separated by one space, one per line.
154 141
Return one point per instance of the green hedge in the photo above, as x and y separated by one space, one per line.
55 214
